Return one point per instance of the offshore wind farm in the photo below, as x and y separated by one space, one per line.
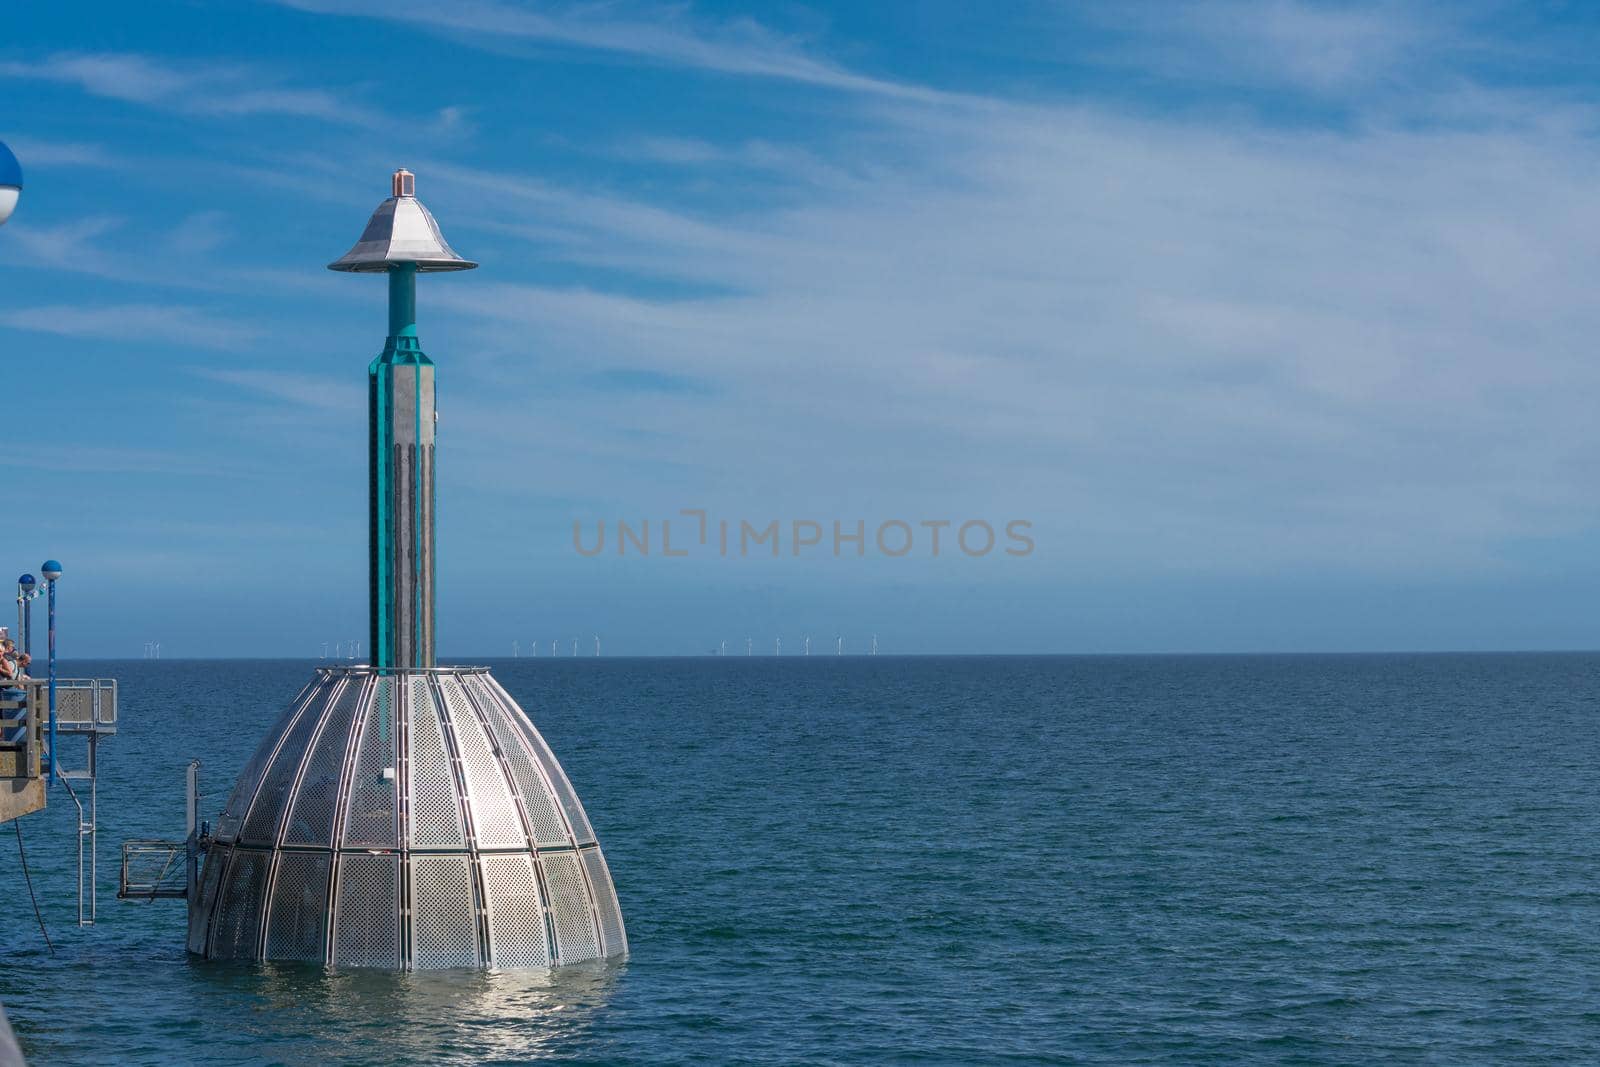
555 648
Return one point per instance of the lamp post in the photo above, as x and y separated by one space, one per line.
10 182
51 571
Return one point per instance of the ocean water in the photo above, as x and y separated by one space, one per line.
1119 860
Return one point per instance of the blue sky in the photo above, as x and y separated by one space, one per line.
1275 319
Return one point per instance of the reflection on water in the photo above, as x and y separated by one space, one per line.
309 1014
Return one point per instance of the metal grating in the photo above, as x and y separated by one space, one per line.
154 869
516 922
435 812
239 909
295 926
371 821
366 926
605 903
200 917
494 813
244 789
311 818
549 827
569 907
568 799
444 924
266 811
74 705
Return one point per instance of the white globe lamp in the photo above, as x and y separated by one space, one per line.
10 182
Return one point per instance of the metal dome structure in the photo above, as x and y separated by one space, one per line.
400 814
411 820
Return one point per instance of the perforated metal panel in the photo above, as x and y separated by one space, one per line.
366 926
200 914
516 921
569 907
538 800
266 810
311 818
297 923
494 813
329 784
615 939
444 922
244 789
565 795
435 810
239 906
372 818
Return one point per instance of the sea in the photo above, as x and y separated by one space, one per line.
1307 859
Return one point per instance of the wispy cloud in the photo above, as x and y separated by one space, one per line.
39 153
301 390
784 162
102 459
628 380
664 35
1328 330
82 247
142 322
1319 47
194 89
70 246
199 233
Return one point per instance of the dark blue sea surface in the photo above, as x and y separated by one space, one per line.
1119 860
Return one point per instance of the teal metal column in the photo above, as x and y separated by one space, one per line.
401 240
401 408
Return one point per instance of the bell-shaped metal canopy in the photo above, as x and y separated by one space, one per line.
406 820
401 231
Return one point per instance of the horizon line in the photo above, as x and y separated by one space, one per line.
455 661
